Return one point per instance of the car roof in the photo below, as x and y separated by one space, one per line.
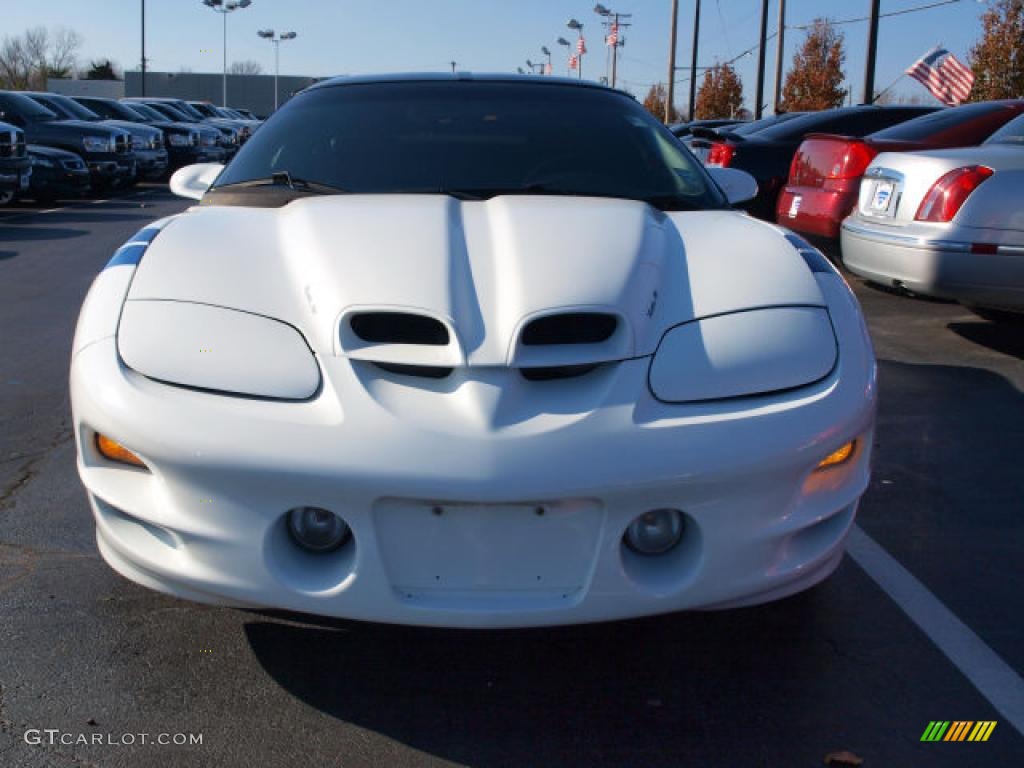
442 77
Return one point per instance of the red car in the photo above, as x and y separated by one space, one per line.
824 178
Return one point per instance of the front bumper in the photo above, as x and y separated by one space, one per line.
151 163
206 522
110 170
59 182
15 175
939 264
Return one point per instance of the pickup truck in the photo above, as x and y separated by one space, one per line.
15 170
106 150
147 142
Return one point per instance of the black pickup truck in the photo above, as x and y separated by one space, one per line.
147 142
15 170
183 140
106 150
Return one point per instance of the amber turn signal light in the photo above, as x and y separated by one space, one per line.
113 450
840 456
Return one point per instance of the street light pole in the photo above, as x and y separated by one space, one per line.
580 45
143 47
613 22
224 7
568 46
693 61
780 48
268 34
670 96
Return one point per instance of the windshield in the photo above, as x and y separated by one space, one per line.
1011 133
188 109
477 139
68 106
146 111
926 126
745 129
170 113
205 109
111 109
29 109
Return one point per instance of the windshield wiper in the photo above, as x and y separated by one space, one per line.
285 179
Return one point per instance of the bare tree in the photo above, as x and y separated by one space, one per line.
27 61
247 67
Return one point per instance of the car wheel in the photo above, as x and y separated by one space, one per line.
1003 316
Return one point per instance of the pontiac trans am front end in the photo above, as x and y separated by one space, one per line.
505 407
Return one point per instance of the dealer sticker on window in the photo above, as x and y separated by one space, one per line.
794 206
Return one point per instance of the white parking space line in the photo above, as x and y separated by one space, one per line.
993 677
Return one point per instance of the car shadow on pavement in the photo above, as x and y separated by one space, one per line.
1006 338
7 255
36 234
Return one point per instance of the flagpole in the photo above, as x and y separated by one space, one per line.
890 86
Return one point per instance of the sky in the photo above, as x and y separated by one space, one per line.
361 36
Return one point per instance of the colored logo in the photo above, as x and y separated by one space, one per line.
958 730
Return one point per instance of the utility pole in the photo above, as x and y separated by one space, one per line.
693 61
779 52
670 97
759 99
454 64
143 47
869 65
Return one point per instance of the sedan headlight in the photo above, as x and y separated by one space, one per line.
179 139
744 353
98 143
213 348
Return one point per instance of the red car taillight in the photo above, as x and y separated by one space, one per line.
948 194
819 160
721 154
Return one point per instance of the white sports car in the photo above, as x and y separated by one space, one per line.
470 351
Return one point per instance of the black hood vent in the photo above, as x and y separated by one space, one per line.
399 328
570 328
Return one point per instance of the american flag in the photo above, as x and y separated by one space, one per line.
581 46
941 73
573 61
547 68
613 35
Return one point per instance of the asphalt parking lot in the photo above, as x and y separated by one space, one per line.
922 622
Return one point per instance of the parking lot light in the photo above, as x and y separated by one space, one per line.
268 34
224 7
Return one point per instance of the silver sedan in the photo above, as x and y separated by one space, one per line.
946 223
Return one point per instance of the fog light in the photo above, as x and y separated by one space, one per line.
113 450
315 529
655 532
837 457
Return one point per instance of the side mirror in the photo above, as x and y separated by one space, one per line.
192 181
738 186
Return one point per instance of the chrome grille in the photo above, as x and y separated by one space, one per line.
12 144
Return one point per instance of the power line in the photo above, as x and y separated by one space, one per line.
900 12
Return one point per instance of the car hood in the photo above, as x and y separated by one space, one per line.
137 129
51 152
484 268
88 128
